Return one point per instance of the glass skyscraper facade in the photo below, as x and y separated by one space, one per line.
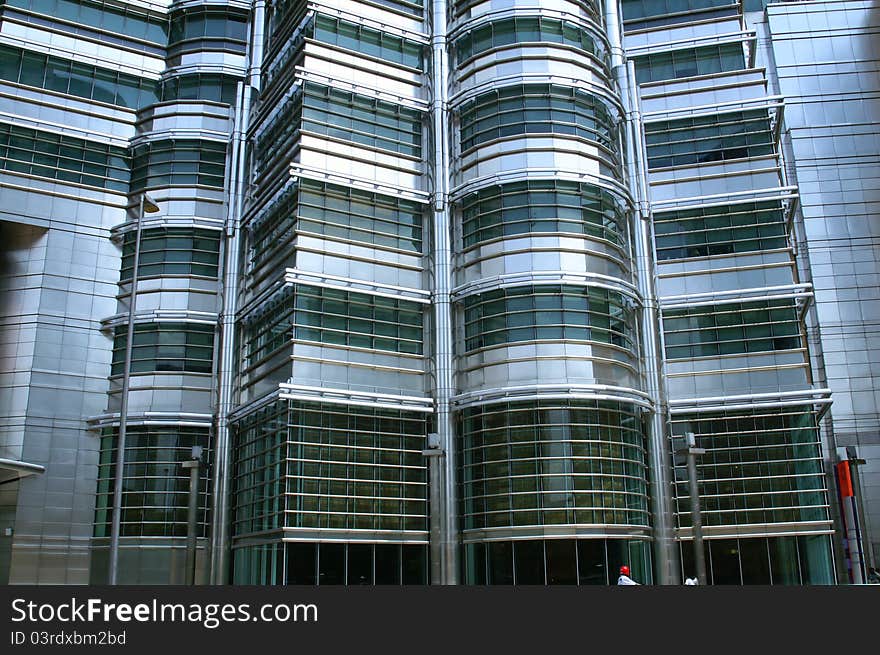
439 289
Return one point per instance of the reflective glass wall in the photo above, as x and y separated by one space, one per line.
553 487
331 406
343 246
740 372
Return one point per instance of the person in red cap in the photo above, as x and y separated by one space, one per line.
624 578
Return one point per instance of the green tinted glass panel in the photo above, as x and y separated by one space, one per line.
689 63
537 109
706 139
54 156
74 78
165 348
543 206
127 20
172 251
549 312
307 465
732 329
552 463
720 230
759 467
155 488
367 41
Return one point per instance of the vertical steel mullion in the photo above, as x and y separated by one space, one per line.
220 528
448 549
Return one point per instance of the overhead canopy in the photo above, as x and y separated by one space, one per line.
12 470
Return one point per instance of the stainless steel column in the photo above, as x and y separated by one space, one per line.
226 373
696 509
442 271
665 553
192 515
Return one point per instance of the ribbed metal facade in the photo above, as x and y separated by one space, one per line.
439 288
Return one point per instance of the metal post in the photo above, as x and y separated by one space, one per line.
434 454
144 205
867 547
651 348
222 455
850 509
194 466
696 516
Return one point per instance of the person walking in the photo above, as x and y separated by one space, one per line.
624 578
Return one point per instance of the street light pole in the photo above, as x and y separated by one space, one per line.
696 515
145 205
193 464
434 453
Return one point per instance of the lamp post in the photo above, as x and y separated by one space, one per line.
696 516
145 206
435 454
193 464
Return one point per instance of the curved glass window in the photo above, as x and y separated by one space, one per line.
367 41
590 6
310 465
223 29
542 206
527 29
639 14
118 19
165 348
704 139
720 230
64 158
553 462
688 63
548 312
556 561
185 162
155 488
537 109
732 329
172 251
214 87
75 78
759 467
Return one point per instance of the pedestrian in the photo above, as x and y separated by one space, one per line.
624 578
